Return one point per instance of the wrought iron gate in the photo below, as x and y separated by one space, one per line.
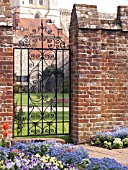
41 85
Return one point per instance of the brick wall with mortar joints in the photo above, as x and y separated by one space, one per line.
74 102
6 67
99 82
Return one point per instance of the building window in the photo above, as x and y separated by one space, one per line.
30 1
21 78
68 27
41 2
37 16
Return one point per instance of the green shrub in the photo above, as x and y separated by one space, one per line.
18 88
125 142
65 88
97 142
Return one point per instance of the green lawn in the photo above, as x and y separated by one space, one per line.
61 126
36 99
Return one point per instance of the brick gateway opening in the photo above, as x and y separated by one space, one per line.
41 84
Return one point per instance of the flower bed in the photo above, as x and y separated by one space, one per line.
51 155
115 139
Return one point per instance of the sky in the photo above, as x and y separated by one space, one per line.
108 6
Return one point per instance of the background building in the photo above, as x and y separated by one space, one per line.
48 9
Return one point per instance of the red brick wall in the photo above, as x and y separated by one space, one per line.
6 66
99 72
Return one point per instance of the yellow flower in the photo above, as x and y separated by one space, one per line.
45 158
53 159
1 162
59 164
1 165
37 155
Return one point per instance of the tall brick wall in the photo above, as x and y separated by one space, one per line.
99 71
6 66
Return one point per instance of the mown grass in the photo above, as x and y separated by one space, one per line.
36 99
59 124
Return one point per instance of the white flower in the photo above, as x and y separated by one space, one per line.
18 162
117 140
10 165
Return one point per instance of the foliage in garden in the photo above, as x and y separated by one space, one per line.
115 139
51 155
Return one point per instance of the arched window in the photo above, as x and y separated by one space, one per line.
37 16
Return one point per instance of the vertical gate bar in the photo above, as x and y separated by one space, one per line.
21 84
13 94
35 129
70 55
28 89
63 90
42 88
56 81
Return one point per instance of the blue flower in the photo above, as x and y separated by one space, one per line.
104 164
52 156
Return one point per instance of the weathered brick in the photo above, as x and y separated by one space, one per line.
99 58
6 67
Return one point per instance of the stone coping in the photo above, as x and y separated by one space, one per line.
37 140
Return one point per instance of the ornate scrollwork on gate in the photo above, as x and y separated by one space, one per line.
41 61
43 36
